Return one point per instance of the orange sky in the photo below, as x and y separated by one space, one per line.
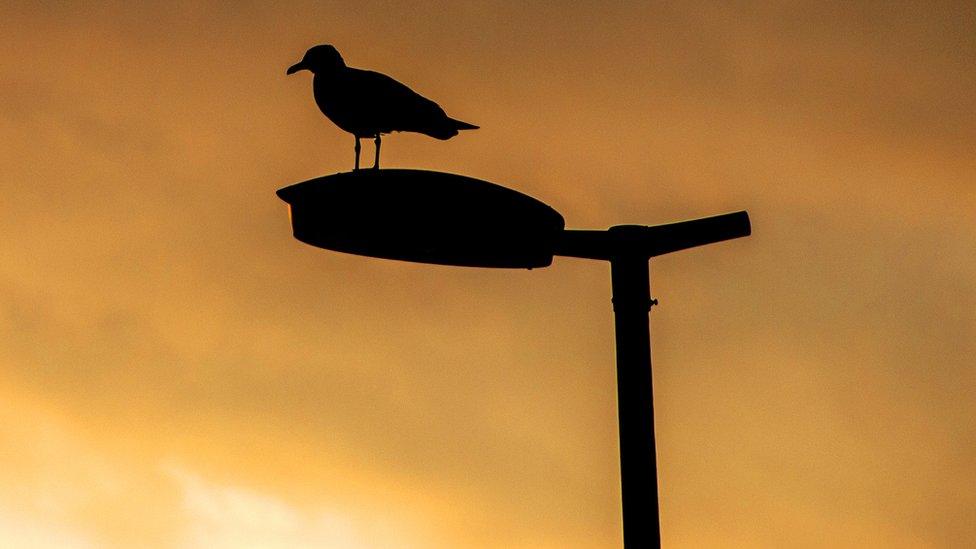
177 371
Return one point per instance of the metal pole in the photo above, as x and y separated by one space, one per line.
630 278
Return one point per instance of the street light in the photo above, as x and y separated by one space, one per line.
447 219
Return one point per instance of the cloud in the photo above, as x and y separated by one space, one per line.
233 517
23 531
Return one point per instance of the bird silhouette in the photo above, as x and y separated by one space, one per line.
369 104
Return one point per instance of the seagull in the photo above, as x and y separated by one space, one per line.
369 104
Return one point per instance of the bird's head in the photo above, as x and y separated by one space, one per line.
319 59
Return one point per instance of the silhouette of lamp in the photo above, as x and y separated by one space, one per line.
447 219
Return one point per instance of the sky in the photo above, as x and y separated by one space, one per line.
177 371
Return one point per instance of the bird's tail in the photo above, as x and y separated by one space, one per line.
463 125
448 128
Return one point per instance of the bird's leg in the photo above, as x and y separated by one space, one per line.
376 162
358 147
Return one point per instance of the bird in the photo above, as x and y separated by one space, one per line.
369 104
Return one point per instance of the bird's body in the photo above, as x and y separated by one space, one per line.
365 103
369 104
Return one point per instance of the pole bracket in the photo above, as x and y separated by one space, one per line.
629 304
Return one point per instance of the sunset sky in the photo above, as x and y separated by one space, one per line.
177 371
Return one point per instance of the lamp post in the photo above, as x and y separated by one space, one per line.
447 219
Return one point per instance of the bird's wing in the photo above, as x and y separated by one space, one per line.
395 106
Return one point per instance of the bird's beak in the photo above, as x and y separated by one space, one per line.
295 68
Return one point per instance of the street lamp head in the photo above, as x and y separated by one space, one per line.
423 216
